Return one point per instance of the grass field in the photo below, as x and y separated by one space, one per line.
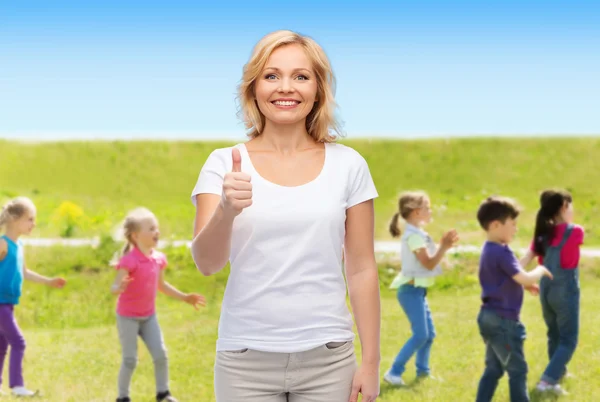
73 353
105 179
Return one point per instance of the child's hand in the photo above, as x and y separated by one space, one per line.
449 239
123 285
533 289
57 283
195 300
546 272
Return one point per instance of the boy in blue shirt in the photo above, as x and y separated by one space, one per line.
502 281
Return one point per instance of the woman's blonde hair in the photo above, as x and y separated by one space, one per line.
321 123
408 202
15 209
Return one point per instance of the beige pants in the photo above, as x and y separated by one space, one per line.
323 374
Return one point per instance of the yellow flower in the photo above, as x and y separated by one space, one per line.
69 215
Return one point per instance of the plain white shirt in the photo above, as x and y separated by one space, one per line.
286 290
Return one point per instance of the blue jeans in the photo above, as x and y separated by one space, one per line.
504 352
560 307
413 302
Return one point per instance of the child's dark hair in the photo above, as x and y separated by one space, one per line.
551 202
497 208
408 202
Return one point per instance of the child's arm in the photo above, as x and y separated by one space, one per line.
44 280
527 258
529 278
3 249
430 262
121 281
168 289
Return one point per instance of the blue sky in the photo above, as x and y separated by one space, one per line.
100 69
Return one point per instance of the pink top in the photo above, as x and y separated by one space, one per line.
569 255
138 299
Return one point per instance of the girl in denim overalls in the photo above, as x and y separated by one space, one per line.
420 265
556 244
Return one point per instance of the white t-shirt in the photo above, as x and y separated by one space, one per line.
286 291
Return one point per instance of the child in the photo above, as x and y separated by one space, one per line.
502 280
18 216
140 273
420 260
556 244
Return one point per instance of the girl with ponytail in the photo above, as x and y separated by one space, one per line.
556 244
140 275
420 259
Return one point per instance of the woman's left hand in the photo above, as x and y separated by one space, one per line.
366 382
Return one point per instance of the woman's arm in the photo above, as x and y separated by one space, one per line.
363 279
363 288
215 215
212 235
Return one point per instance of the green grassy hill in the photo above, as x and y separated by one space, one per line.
105 179
73 353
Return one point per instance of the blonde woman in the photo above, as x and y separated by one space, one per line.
280 207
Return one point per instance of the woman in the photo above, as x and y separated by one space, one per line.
280 208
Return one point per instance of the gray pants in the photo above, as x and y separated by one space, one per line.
149 330
323 374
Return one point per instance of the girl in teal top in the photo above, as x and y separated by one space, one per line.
18 216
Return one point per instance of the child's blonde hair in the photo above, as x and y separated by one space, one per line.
15 209
409 201
131 225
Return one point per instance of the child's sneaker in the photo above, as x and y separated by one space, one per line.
126 399
428 377
165 396
566 375
395 380
22 391
543 386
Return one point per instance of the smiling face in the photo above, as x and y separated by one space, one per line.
148 234
286 91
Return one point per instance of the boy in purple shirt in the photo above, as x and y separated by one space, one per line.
502 280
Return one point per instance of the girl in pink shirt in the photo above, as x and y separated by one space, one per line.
556 244
140 273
